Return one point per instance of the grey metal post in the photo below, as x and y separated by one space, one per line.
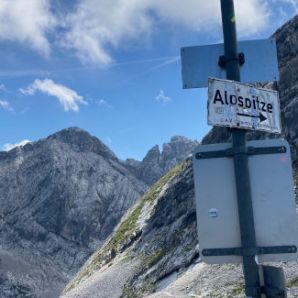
245 209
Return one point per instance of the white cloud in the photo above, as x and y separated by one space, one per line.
5 105
67 97
7 147
93 29
27 22
161 97
252 16
103 103
97 27
201 15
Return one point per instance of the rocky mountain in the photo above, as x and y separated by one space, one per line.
156 163
153 252
60 198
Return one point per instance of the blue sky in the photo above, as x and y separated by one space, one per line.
112 67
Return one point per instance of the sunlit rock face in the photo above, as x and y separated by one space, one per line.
60 198
157 163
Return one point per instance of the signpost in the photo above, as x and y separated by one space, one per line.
243 107
237 105
273 201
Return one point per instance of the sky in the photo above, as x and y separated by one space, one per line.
112 67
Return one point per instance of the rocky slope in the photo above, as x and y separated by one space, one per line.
156 163
60 198
153 251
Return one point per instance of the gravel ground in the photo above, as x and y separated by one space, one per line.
226 281
105 283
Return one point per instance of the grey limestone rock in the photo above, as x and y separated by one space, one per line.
156 163
60 198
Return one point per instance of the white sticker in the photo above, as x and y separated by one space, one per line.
213 212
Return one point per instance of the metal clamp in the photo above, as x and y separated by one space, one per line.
249 151
222 61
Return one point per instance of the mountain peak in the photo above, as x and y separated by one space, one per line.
77 137
179 139
158 162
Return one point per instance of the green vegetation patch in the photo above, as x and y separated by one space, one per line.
129 225
130 291
127 228
238 290
152 259
293 283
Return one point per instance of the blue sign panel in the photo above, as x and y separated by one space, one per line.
201 62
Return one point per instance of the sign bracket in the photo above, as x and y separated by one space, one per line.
245 150
222 61
248 251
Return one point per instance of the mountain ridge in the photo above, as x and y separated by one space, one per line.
48 189
158 162
61 197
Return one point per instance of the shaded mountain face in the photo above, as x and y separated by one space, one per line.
153 251
60 198
156 163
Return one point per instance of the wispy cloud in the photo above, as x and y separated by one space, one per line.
4 104
96 26
43 72
94 29
161 97
68 98
103 103
93 33
27 22
8 146
166 63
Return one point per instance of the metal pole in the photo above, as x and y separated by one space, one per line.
245 209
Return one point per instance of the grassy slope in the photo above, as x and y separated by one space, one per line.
125 233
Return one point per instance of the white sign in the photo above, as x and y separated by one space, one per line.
234 104
273 199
